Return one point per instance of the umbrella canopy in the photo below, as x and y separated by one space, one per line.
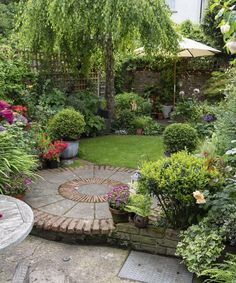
188 49
192 48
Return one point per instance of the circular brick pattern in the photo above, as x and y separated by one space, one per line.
88 190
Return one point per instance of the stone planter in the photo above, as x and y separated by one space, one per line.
71 151
140 221
166 109
118 216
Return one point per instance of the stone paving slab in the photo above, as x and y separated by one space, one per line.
69 210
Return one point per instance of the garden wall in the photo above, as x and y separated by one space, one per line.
138 81
153 239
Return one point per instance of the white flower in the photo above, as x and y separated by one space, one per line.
231 45
231 151
233 141
225 28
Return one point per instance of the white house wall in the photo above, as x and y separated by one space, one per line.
186 10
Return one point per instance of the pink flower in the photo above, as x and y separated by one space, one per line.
8 115
3 105
1 215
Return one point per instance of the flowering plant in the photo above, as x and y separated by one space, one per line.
208 118
18 185
118 197
54 150
13 114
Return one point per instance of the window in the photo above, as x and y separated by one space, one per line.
171 4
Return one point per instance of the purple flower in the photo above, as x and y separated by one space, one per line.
21 119
27 181
1 215
208 118
2 129
4 105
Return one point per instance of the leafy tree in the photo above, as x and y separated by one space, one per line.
210 26
85 32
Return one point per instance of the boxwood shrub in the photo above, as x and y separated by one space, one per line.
179 137
67 125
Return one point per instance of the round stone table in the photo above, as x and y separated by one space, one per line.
16 223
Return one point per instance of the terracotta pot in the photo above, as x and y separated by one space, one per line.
118 216
139 131
160 116
140 221
20 196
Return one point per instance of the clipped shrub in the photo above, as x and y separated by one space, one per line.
174 180
179 137
67 124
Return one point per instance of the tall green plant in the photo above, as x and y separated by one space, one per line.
88 31
14 160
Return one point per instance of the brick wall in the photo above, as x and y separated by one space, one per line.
153 239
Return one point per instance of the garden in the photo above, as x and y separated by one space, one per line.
53 116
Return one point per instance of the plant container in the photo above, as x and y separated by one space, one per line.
166 109
119 216
140 221
52 164
71 151
19 196
139 131
160 116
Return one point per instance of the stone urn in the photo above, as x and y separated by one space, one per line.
166 109
71 151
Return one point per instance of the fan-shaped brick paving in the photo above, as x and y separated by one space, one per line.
72 200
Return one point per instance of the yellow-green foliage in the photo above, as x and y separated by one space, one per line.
175 179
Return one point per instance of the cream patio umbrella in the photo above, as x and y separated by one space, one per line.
188 49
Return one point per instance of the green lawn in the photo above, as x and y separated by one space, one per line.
122 151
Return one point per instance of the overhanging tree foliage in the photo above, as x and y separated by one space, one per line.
86 31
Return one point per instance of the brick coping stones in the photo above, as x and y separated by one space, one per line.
69 204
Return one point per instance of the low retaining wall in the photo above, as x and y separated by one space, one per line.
153 239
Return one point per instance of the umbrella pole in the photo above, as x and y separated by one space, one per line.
174 79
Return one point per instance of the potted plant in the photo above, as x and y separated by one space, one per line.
67 125
140 205
17 186
159 113
117 199
139 124
166 104
52 155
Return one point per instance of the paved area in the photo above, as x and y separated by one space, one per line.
52 262
154 269
73 200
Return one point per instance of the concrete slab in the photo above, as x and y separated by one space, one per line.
94 189
102 211
104 174
87 264
83 173
154 269
60 207
81 210
37 202
123 177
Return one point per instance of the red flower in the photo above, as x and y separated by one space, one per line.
54 150
20 109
